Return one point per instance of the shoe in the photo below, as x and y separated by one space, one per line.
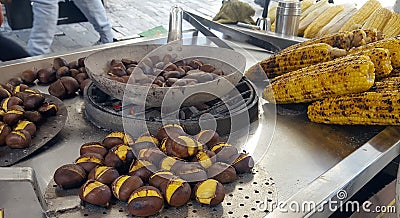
99 42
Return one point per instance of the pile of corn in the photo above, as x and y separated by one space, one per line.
321 18
348 78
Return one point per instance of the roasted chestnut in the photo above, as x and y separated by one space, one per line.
48 109
62 71
18 139
171 163
143 169
81 77
153 155
59 62
225 152
74 72
81 62
209 192
145 201
33 116
207 68
222 172
161 178
117 138
15 81
70 176
4 93
148 138
243 164
73 65
26 125
181 146
205 158
176 192
96 193
136 147
46 75
124 186
4 131
89 161
171 131
57 89
84 83
120 157
33 101
103 174
11 117
93 147
191 172
29 76
208 137
8 102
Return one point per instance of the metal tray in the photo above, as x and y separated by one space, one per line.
45 132
252 195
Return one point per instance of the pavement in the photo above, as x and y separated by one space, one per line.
128 18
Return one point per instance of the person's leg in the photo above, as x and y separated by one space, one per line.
45 16
10 50
96 15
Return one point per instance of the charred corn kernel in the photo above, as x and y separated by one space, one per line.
368 108
306 21
381 59
386 86
378 19
306 4
345 78
359 18
337 22
298 58
312 30
373 35
392 27
392 44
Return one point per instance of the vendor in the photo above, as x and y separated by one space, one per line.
9 50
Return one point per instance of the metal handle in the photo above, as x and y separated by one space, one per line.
175 24
23 174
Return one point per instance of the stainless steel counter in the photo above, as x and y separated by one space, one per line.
308 161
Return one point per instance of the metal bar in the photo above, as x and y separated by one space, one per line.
23 174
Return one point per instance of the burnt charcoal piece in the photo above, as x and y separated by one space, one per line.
70 176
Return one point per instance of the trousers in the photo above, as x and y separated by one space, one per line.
10 50
45 16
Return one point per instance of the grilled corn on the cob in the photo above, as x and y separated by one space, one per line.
313 7
302 57
306 4
392 44
348 77
358 19
395 72
272 13
306 21
386 86
337 22
368 108
312 30
381 59
378 19
392 27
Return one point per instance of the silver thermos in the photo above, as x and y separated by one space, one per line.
287 17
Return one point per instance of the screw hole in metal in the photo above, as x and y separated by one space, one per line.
256 191
242 205
85 214
253 209
104 212
247 197
255 183
120 210
194 211
230 212
231 195
228 203
240 188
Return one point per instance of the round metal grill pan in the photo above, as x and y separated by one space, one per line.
45 132
252 195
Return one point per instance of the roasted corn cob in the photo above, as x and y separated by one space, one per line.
392 79
358 19
392 44
272 13
337 22
368 108
306 21
395 72
348 77
312 8
373 35
344 40
386 86
302 57
392 27
378 19
381 59
306 4
312 30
